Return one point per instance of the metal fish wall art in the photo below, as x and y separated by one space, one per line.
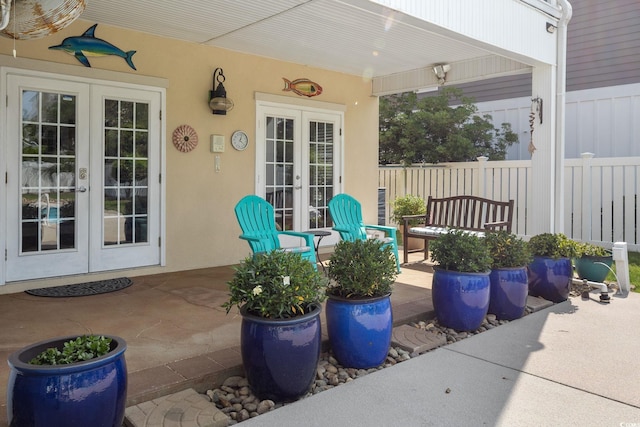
89 45
302 87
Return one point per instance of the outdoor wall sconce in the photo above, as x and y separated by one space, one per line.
441 71
218 101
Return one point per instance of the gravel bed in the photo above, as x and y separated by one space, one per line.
235 399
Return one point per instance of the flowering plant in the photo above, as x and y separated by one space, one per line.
276 285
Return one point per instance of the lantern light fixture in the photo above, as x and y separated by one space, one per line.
218 101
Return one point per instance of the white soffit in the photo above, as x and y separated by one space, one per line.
357 37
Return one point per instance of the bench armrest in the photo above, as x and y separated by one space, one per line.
409 218
493 225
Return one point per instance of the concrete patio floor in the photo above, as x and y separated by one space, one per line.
177 333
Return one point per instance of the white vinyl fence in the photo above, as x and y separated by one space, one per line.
601 195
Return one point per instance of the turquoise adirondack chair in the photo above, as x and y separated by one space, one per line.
346 213
257 222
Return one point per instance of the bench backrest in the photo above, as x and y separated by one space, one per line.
469 213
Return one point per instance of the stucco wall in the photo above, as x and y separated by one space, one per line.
201 227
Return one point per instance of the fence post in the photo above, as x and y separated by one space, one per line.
587 214
482 176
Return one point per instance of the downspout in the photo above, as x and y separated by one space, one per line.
6 9
561 87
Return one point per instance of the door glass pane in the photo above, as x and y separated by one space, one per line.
321 150
126 179
279 169
47 173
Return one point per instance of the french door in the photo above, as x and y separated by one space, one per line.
79 194
298 165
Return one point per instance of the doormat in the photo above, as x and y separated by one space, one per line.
83 289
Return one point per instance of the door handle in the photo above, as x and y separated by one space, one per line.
81 189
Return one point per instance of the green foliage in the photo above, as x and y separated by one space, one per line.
361 269
408 205
82 348
507 250
634 270
461 251
552 245
276 285
589 249
430 130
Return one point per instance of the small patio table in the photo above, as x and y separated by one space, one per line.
320 234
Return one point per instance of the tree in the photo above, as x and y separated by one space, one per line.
430 130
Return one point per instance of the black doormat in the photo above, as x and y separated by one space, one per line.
83 289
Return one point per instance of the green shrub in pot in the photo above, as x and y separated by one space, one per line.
509 279
461 287
550 272
358 310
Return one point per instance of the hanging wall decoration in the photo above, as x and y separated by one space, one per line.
536 110
185 138
88 44
302 87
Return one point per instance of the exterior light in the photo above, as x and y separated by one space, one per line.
218 101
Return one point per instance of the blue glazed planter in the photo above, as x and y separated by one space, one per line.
359 330
460 300
90 393
550 278
280 356
509 289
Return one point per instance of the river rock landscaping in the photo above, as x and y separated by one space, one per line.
235 399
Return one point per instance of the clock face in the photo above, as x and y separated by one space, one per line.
239 140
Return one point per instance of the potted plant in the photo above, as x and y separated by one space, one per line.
461 286
508 278
550 272
404 206
593 262
358 309
73 380
279 295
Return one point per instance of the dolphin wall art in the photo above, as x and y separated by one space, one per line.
88 45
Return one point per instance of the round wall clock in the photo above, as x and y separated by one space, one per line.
239 140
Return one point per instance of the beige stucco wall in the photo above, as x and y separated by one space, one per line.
201 227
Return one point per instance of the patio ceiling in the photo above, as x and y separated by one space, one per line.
357 37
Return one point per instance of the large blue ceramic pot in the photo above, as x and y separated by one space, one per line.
460 300
550 278
280 356
89 393
509 289
359 330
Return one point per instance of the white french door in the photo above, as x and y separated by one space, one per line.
82 190
298 165
47 185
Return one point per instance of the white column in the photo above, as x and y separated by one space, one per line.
541 212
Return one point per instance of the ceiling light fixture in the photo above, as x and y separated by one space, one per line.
441 71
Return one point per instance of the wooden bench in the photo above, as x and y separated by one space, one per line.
470 213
